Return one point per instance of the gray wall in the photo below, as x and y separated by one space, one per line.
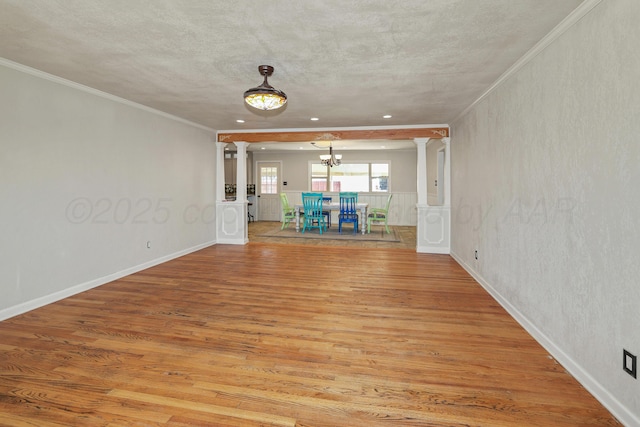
545 177
295 166
85 182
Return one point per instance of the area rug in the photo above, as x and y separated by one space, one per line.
379 235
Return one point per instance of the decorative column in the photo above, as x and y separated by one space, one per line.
241 172
447 171
422 170
231 218
220 195
433 226
241 188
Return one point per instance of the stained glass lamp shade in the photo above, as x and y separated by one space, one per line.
265 96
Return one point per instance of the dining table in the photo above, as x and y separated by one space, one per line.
335 206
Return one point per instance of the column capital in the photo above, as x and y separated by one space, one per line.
241 144
421 141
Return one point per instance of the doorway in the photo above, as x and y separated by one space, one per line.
268 190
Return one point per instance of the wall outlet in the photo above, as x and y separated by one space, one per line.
629 363
149 244
476 254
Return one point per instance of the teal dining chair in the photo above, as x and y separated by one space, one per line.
313 216
348 212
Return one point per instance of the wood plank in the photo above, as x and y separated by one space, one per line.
285 335
335 135
199 407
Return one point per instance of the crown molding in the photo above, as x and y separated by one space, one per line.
572 19
59 80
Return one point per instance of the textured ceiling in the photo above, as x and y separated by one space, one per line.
346 62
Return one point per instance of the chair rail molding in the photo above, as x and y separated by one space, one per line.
402 211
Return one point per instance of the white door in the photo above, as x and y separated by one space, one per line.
268 191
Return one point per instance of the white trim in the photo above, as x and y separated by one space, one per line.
241 241
583 377
46 76
575 16
432 250
68 292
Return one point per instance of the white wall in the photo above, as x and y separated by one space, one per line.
86 181
546 170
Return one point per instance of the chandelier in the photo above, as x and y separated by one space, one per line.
331 159
265 96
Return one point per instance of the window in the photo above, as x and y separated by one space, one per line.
268 180
363 177
319 177
380 177
349 177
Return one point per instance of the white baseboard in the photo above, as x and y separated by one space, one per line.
583 377
57 296
225 241
432 250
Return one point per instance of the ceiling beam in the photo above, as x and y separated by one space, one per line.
334 135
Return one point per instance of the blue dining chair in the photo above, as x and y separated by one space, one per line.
349 194
348 213
313 217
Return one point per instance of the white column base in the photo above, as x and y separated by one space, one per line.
433 232
231 218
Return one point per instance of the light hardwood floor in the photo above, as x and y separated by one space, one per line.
285 335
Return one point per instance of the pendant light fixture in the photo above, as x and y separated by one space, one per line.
265 96
330 159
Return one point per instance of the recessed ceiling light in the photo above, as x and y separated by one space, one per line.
315 119
382 146
301 148
263 148
387 116
240 121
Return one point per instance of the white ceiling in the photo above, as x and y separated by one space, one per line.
346 62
